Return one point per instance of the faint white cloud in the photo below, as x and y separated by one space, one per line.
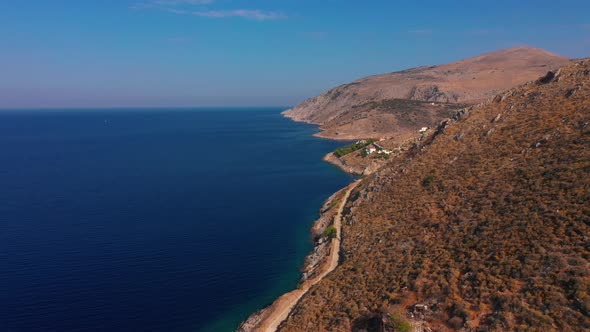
183 7
258 15
177 11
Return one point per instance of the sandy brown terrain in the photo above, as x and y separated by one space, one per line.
482 226
371 107
478 224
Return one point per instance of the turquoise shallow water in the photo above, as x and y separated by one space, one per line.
154 220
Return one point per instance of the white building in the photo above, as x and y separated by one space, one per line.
423 129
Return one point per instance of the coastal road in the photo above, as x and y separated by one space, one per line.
284 304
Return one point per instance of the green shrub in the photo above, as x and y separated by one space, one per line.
427 181
333 204
400 324
331 232
342 151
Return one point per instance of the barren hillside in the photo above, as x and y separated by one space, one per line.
381 105
483 226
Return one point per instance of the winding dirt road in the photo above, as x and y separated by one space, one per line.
280 309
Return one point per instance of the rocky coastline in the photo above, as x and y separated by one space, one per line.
332 159
314 263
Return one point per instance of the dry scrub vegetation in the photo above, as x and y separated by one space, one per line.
486 223
389 104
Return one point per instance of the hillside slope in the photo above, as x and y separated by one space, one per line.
484 224
382 105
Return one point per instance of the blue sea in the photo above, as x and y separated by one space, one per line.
154 219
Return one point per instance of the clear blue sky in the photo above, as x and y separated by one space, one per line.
91 53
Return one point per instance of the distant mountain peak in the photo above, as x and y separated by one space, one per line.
346 111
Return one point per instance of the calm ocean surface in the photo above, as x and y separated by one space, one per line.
153 220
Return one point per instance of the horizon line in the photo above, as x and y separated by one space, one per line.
130 107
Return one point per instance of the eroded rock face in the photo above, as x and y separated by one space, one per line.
353 110
431 93
548 78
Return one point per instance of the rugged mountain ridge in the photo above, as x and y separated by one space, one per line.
483 226
389 104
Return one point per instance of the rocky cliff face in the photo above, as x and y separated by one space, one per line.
352 110
483 226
